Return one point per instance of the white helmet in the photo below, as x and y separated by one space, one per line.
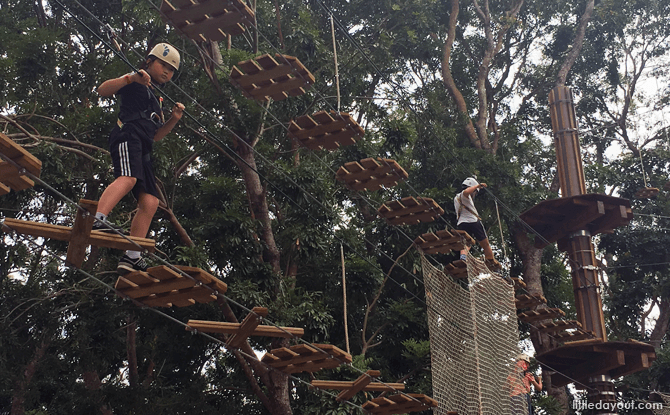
167 53
470 181
524 357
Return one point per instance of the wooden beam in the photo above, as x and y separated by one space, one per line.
232 328
247 327
81 232
344 385
359 385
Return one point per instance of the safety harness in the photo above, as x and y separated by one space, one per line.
461 206
157 119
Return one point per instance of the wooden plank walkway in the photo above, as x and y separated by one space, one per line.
10 177
325 130
203 20
264 77
369 174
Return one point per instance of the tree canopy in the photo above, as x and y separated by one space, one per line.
447 88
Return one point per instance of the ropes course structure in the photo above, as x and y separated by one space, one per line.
473 362
474 335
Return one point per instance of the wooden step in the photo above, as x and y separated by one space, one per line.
527 301
400 404
519 284
249 327
540 314
165 287
443 242
572 336
457 269
410 211
10 177
363 383
558 325
264 78
306 358
325 130
80 235
203 20
368 174
646 193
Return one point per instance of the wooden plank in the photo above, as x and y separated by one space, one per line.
358 385
554 326
4 189
81 230
181 298
247 327
12 179
159 287
232 328
45 230
540 314
345 385
205 277
20 155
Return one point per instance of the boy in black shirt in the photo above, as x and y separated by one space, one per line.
140 123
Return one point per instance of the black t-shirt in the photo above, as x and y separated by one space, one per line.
140 108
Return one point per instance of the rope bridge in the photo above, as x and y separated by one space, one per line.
474 341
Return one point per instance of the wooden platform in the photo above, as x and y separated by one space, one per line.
328 131
203 20
457 269
363 383
526 300
577 361
10 178
305 358
164 287
368 174
557 326
540 314
264 77
410 211
79 236
556 219
249 327
444 241
647 193
400 404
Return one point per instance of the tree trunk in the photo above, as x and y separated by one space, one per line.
448 79
259 205
661 327
577 44
131 351
19 396
531 258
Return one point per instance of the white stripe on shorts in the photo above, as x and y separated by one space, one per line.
125 159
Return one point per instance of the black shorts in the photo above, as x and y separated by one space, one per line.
475 229
131 156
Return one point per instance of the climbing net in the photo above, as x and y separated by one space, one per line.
666 405
473 340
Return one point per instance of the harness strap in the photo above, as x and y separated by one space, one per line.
461 206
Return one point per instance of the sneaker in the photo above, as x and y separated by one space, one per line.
128 265
99 226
